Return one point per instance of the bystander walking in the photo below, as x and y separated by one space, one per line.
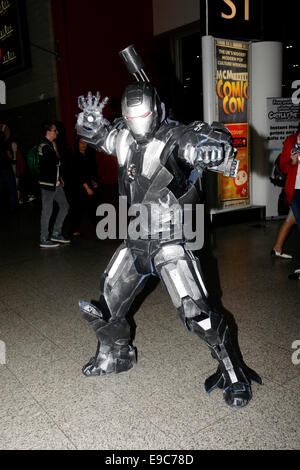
51 184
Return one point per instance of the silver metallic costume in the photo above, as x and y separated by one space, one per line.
155 160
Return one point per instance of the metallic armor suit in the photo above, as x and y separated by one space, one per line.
155 160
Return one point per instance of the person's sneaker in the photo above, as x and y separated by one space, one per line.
275 253
295 275
46 243
58 237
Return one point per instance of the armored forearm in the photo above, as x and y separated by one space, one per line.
208 147
94 140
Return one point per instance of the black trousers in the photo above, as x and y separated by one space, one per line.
81 203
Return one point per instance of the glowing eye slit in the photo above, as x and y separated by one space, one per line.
135 117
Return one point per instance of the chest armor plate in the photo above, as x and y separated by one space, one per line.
139 169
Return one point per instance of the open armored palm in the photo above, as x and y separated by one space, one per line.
91 119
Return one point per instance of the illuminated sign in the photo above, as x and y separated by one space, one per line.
233 11
239 19
14 43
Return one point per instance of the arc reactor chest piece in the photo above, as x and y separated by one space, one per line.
131 171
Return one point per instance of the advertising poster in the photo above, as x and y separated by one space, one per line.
232 97
283 120
237 189
232 83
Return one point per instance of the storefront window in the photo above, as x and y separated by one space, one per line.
189 69
291 66
192 77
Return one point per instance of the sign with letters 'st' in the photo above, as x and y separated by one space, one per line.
232 19
14 43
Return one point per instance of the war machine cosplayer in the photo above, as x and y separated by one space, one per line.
155 159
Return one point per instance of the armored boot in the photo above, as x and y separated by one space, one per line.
232 375
114 353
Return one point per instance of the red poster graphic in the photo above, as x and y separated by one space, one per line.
232 190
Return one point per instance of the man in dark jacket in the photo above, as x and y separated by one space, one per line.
51 184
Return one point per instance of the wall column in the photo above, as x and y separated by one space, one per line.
265 82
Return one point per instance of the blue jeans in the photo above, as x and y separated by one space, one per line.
296 206
48 197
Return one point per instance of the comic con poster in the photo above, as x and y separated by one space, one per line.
232 83
232 97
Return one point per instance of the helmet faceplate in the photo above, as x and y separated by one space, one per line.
141 109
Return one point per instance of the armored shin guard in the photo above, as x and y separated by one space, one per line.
232 375
114 353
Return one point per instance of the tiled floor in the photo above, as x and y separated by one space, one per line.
46 403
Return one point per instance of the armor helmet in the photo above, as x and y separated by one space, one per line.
141 109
